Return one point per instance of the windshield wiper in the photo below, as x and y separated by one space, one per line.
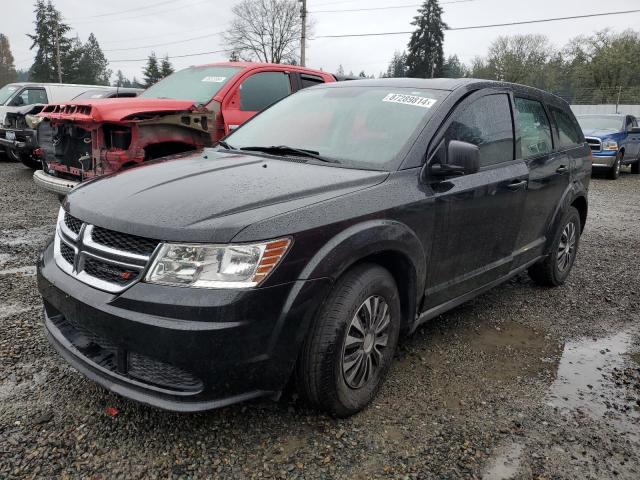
226 146
285 149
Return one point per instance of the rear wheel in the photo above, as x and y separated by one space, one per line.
554 270
351 344
614 171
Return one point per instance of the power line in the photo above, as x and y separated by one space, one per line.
147 14
172 56
163 44
386 8
474 27
156 4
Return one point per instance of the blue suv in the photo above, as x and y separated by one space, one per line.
614 141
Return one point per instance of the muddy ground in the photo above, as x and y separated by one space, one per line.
523 382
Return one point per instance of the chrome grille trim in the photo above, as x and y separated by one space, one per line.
85 247
594 143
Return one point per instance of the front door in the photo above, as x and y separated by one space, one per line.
478 215
633 140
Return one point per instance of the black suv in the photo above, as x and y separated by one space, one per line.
308 241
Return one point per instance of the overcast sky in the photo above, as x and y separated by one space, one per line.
129 35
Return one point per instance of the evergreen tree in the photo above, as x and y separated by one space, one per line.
122 81
234 56
340 71
397 66
151 72
7 68
362 74
425 57
50 40
166 68
92 64
453 67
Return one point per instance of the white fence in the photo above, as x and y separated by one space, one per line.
588 109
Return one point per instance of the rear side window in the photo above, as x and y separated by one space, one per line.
569 133
310 81
534 127
263 89
487 124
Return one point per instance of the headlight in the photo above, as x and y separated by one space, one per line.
216 266
610 145
32 121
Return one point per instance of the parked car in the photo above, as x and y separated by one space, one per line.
18 134
16 96
310 238
191 109
614 141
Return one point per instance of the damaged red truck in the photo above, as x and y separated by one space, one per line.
191 109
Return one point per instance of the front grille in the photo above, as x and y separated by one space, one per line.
123 241
67 253
109 273
72 223
100 350
595 144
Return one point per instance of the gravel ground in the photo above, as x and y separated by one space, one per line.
523 382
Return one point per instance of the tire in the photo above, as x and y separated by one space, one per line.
614 171
27 160
554 270
326 374
635 167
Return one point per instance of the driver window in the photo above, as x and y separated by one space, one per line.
30 96
487 124
261 90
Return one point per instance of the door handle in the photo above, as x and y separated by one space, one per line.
517 185
562 169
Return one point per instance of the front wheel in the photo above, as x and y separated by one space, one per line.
26 159
351 344
554 270
614 171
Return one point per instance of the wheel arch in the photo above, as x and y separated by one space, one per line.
387 243
580 203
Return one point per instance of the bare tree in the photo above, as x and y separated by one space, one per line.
266 30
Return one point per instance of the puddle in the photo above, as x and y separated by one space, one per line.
599 378
505 464
28 271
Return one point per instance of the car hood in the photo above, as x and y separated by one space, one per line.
209 196
117 109
600 133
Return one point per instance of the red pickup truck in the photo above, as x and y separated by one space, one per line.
190 109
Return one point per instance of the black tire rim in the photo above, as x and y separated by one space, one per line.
567 247
365 342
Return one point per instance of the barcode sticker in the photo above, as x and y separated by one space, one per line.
214 79
414 100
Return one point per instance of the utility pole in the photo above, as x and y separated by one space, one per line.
303 40
57 39
618 101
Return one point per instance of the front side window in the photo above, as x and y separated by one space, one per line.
263 89
535 130
569 134
29 96
197 84
7 92
361 127
487 124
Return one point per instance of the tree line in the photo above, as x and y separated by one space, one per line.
61 57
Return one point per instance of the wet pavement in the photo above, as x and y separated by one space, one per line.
522 382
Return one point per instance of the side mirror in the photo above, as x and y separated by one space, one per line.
463 159
634 130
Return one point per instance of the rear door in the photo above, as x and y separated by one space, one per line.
549 174
478 216
255 92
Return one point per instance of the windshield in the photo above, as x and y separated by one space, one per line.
6 92
604 122
362 127
198 84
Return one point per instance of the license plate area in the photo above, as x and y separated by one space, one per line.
11 135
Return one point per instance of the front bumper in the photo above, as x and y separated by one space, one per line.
61 186
604 158
24 142
179 349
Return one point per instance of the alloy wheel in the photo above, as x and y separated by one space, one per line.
367 338
567 247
